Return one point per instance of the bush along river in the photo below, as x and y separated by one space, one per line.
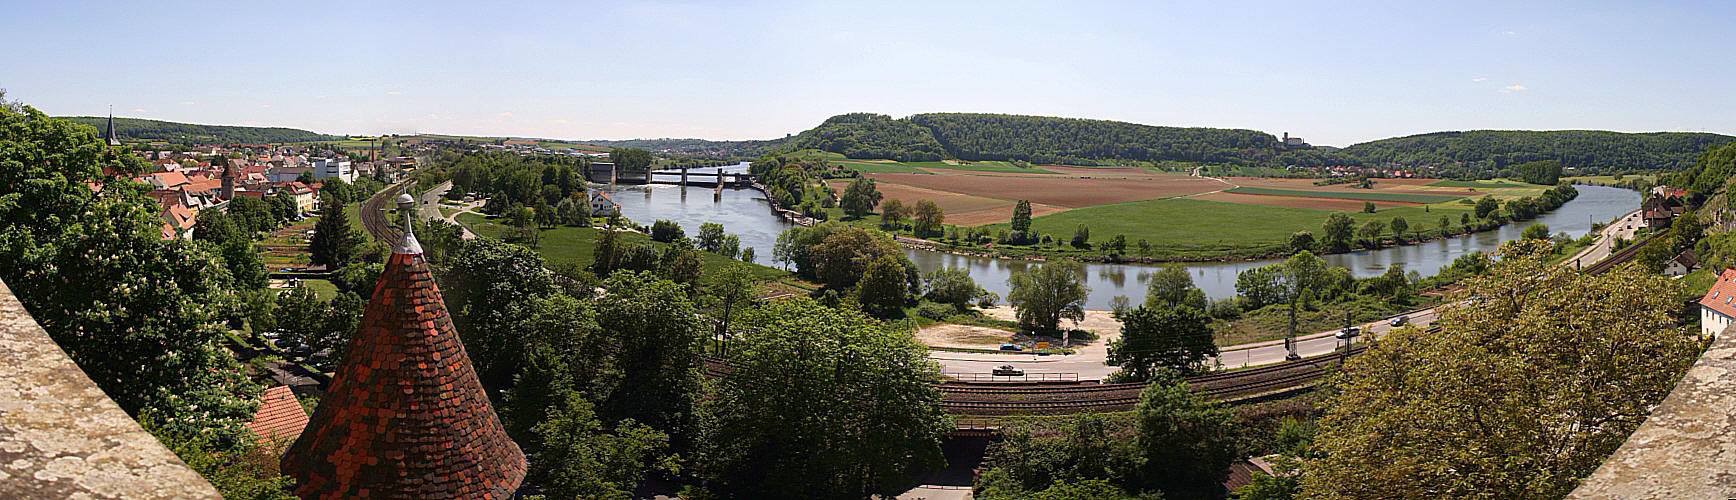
747 214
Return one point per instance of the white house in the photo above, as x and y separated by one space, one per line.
1719 304
602 205
1682 264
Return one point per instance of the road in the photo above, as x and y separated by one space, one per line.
1087 361
1624 227
430 203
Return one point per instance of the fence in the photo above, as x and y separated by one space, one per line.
1030 377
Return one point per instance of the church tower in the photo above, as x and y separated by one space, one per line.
406 416
108 136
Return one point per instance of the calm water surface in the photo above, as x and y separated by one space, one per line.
746 213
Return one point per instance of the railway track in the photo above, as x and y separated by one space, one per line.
372 215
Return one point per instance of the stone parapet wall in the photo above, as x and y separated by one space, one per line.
1687 447
61 437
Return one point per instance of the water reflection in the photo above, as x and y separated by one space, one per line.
746 213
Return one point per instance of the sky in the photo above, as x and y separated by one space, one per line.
1333 73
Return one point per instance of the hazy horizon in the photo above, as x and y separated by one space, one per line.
1334 73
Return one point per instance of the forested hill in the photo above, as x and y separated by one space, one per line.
1591 151
138 129
1040 139
695 146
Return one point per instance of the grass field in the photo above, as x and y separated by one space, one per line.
868 167
1193 229
999 167
1228 171
324 289
1371 195
577 244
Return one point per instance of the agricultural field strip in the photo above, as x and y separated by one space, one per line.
1370 196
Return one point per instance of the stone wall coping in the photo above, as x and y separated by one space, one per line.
1687 447
62 437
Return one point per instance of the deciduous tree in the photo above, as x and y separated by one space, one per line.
1159 337
1047 294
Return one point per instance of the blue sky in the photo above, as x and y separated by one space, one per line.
1334 73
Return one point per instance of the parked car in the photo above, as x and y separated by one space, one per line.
1008 370
1349 332
1400 321
1012 347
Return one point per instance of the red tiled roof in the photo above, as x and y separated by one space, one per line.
280 417
1722 293
405 416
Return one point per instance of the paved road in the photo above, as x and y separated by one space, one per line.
1624 227
1087 362
430 205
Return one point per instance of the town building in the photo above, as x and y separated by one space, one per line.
1682 264
1719 305
332 168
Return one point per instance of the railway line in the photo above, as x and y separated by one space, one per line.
372 212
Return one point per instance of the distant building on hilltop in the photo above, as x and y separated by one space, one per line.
1295 142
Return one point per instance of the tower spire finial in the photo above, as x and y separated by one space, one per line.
408 245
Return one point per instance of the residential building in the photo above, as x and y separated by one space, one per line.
1716 308
332 168
1682 264
602 205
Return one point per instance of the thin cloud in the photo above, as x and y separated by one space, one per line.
394 92
140 110
265 105
319 97
1513 88
189 103
504 113
1478 79
1508 33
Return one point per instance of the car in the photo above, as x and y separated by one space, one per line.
1400 321
1348 332
1012 347
1008 370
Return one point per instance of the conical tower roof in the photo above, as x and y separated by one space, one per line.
406 416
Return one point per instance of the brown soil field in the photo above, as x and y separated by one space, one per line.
1400 186
946 171
997 215
950 202
1328 204
1061 192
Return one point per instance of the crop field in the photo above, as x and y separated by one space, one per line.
1058 191
1365 195
961 209
1496 184
876 167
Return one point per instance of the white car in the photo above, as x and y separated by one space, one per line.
1008 370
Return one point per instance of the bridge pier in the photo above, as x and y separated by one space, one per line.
683 176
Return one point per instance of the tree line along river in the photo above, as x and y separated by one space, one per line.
747 214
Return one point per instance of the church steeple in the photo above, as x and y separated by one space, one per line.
108 136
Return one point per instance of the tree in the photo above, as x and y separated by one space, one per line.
1370 233
730 247
305 177
805 372
484 282
927 217
710 237
842 257
1446 226
1519 396
1261 286
1172 286
952 286
656 334
860 197
1338 228
1301 241
1154 338
334 241
574 211
1368 207
631 160
1185 441
524 224
666 231
1487 206
881 291
1022 219
580 458
1081 236
1399 226
680 263
1049 293
892 214
1537 232
727 290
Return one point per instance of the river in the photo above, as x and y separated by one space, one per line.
747 214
